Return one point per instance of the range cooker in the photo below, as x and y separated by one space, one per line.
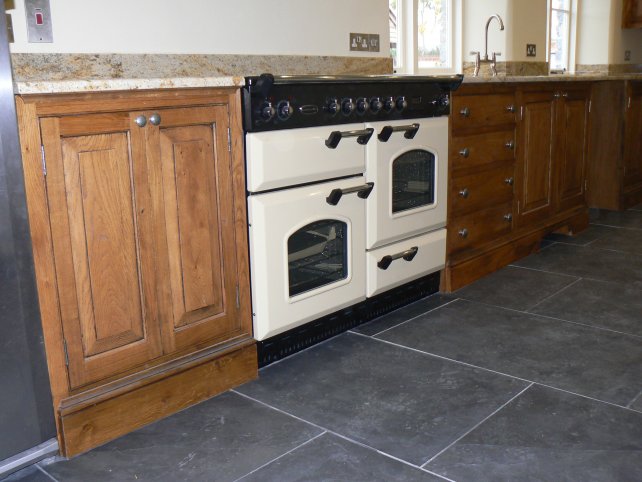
347 183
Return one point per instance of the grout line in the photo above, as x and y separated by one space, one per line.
635 399
616 227
327 430
554 294
280 456
476 426
470 365
46 473
410 319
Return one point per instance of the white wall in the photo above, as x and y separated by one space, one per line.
593 32
624 39
475 14
526 24
289 27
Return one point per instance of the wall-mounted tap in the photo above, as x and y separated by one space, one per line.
493 59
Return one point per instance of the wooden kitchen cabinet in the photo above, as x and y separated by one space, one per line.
632 14
137 211
633 143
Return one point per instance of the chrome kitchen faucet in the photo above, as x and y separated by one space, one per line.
493 60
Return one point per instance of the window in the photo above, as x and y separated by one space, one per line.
561 33
424 35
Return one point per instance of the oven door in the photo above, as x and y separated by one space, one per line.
307 247
409 166
289 157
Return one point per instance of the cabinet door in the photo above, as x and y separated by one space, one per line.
535 151
99 209
196 239
572 135
633 138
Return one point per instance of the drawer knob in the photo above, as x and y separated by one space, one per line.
464 193
510 144
465 112
557 95
510 108
465 152
508 217
155 119
509 180
141 121
463 233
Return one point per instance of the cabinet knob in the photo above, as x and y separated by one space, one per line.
509 180
510 108
557 95
463 233
510 144
141 121
155 119
565 94
465 152
465 112
508 217
464 193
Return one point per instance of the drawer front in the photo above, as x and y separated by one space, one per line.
481 190
482 110
473 151
387 267
477 228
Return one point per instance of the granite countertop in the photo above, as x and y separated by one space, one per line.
469 79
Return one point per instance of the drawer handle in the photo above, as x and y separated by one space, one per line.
407 255
510 144
141 121
508 217
363 136
463 233
464 193
465 112
465 152
363 191
409 132
510 108
509 180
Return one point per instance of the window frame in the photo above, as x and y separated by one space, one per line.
571 41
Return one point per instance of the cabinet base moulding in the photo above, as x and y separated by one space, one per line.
94 424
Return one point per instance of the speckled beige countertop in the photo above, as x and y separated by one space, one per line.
550 78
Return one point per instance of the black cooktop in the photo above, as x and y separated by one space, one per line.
288 102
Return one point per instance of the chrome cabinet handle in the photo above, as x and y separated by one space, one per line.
508 217
155 119
465 152
509 180
363 191
363 136
407 255
141 121
464 193
409 131
510 108
463 233
510 144
465 112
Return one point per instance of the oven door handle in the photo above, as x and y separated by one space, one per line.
409 131
408 255
363 191
363 136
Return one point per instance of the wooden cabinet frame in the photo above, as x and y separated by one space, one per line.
632 14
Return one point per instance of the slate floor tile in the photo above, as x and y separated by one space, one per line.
619 219
403 314
587 262
625 240
588 236
548 435
221 439
637 208
584 360
332 458
598 303
398 401
637 403
515 288
28 474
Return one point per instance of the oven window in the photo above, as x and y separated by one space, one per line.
317 255
413 180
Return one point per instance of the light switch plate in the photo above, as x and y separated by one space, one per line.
531 50
364 42
627 55
38 32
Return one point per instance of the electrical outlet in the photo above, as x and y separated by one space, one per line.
531 50
364 42
627 55
38 15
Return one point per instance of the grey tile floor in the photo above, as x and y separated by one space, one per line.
532 373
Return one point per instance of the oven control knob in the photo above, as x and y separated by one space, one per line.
444 100
347 106
401 103
267 111
284 110
388 104
332 106
375 104
362 105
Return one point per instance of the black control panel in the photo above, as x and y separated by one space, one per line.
274 103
